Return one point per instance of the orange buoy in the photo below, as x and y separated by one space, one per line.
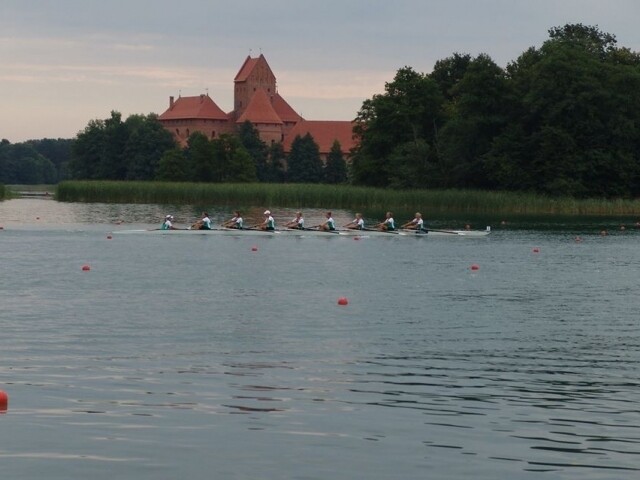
254 248
86 268
475 267
109 237
343 301
4 401
357 237
535 250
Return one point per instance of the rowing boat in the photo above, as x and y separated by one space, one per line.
314 233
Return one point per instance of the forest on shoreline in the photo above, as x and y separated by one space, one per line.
562 120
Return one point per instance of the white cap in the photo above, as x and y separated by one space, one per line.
168 216
267 212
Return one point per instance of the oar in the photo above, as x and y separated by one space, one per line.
383 231
441 231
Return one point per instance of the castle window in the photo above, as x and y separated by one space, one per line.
213 134
177 132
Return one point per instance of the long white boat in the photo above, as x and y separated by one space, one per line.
313 232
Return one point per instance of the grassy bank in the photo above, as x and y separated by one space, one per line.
340 196
3 192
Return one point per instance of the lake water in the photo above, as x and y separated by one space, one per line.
196 357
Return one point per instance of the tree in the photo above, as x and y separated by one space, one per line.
148 141
233 161
250 139
20 163
202 165
477 116
335 170
172 166
410 110
573 126
275 171
304 164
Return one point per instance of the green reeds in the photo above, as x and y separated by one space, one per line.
337 196
3 192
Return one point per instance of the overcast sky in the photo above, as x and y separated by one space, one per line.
65 62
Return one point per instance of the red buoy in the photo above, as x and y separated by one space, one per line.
109 237
86 268
356 238
343 301
254 248
535 250
475 267
4 401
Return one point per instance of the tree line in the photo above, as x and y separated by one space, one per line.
562 119
140 148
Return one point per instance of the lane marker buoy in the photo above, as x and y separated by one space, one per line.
475 267
86 268
4 401
343 301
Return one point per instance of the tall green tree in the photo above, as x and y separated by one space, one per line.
233 162
410 110
250 139
573 128
148 140
476 117
173 166
303 163
275 171
335 170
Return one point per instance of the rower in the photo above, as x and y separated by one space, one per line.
297 222
235 222
168 225
269 223
329 225
416 224
357 223
203 224
388 224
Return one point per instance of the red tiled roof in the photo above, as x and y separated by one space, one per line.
245 69
284 110
324 133
260 110
200 107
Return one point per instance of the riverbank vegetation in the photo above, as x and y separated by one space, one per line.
337 196
560 122
3 192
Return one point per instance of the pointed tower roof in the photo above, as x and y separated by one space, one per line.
260 110
284 110
248 66
199 107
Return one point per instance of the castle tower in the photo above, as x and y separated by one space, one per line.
255 74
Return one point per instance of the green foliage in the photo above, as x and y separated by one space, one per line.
258 151
173 166
304 164
410 111
20 163
117 150
563 119
335 170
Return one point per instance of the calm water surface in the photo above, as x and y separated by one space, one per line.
195 357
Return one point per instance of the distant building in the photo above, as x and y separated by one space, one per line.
256 99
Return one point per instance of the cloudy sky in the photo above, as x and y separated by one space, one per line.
65 62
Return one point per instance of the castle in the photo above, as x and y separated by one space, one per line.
256 99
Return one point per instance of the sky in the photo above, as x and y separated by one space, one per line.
66 62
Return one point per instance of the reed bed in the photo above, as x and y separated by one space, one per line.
337 196
3 192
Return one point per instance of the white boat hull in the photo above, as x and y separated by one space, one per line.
314 233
